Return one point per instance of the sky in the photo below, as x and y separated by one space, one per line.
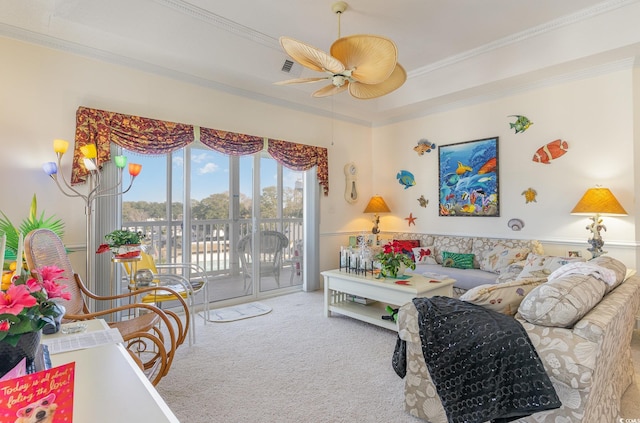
210 175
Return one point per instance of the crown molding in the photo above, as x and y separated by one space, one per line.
440 106
221 22
536 31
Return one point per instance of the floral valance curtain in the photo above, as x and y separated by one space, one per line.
135 133
151 136
231 143
302 157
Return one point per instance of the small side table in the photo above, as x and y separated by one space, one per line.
130 272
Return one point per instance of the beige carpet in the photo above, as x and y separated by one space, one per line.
295 365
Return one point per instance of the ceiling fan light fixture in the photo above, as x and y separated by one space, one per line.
366 65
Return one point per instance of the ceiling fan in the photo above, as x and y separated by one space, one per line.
364 64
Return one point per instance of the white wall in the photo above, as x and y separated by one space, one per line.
594 115
42 88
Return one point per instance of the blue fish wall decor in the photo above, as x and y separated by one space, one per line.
406 178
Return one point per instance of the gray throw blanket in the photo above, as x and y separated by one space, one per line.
482 362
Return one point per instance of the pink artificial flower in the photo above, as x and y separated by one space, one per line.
33 285
16 299
5 326
54 290
51 273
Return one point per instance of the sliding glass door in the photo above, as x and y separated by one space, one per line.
220 212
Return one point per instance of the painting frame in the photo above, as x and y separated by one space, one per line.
468 178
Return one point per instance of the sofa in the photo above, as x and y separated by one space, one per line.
471 261
579 318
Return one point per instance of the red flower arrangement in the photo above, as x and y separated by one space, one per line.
391 257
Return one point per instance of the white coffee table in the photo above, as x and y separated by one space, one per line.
338 283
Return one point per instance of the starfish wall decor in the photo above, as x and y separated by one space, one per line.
411 219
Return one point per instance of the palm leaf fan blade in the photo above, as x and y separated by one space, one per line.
371 58
330 90
369 91
310 57
300 81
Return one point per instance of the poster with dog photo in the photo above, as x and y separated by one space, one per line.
42 397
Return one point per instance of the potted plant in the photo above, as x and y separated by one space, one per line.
30 304
33 221
393 261
123 243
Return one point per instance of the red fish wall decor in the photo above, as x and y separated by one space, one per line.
551 151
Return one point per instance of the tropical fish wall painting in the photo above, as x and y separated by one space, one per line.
521 124
424 146
468 178
551 151
406 179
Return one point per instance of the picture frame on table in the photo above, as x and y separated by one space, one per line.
468 178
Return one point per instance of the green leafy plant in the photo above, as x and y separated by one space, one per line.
27 225
120 237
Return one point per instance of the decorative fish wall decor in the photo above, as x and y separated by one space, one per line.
406 178
521 124
551 151
424 146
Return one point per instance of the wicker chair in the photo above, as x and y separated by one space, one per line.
271 245
151 335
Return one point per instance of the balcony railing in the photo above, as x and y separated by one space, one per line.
212 241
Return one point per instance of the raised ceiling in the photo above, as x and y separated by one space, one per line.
455 51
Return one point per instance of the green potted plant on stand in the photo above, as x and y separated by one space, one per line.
123 243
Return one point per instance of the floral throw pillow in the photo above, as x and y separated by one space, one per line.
500 257
563 301
425 255
504 298
537 266
457 260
